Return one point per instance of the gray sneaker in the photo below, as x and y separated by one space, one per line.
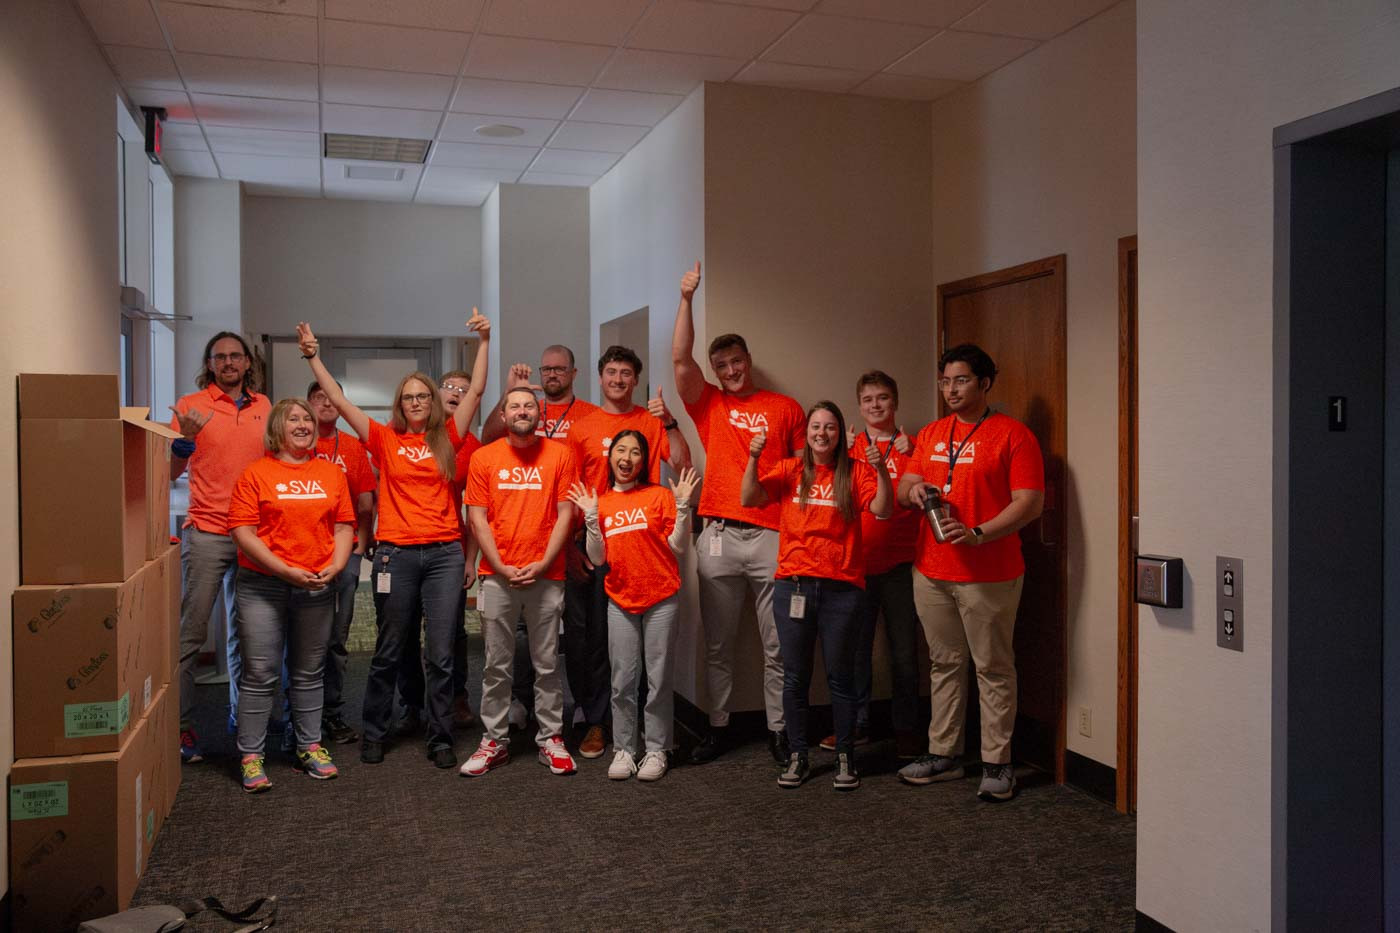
998 783
930 769
846 777
796 772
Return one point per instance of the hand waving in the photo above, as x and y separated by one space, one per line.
583 497
684 484
306 340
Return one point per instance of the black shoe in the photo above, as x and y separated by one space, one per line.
796 771
371 753
846 777
778 746
442 757
338 731
710 747
410 725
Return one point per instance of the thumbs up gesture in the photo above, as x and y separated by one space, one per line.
690 282
658 407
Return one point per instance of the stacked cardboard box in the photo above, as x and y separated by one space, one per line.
95 639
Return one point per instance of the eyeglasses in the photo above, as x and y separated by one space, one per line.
554 370
455 390
962 382
422 398
229 357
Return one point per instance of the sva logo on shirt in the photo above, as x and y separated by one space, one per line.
819 494
755 422
415 454
520 478
338 460
624 520
301 489
552 427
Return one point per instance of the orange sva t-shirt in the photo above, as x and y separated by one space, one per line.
521 488
726 424
642 570
816 541
416 505
294 507
592 439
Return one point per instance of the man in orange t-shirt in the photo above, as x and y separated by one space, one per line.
737 553
988 468
221 429
518 505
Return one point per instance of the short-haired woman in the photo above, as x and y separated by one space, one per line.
418 566
642 529
821 574
294 523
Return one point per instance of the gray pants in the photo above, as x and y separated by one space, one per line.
635 639
207 565
273 615
343 591
748 561
542 603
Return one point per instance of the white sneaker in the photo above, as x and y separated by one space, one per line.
555 756
653 767
622 767
517 718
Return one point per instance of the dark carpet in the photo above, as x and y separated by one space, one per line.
404 846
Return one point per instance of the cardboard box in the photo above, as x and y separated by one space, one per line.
87 661
171 581
82 827
91 488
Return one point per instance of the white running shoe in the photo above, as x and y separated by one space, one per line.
622 767
653 767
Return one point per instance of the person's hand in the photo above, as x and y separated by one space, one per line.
480 323
583 497
690 282
306 341
191 422
519 377
304 579
469 576
872 455
918 493
902 442
850 437
955 532
684 484
657 408
527 575
757 444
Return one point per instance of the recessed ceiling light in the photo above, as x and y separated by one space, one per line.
376 148
499 130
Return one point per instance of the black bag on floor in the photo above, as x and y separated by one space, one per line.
166 919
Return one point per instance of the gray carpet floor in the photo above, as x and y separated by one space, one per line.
404 846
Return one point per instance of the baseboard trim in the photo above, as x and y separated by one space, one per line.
1146 924
1094 778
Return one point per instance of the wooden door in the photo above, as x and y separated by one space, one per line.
1127 524
1018 316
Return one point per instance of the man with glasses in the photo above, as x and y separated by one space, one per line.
987 468
221 429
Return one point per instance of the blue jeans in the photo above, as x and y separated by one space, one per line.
833 616
277 620
424 583
412 686
891 593
343 590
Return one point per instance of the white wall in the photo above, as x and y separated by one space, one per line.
208 275
58 247
1213 82
491 286
1037 159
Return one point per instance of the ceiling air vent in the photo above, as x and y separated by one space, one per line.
376 148
373 173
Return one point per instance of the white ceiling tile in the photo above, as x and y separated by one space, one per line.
186 136
248 77
664 72
257 112
379 121
215 31
558 179
629 107
449 176
904 87
384 88
460 15
709 28
512 59
270 168
394 48
598 137
294 7
176 103
238 140
461 127
338 185
514 98
936 13
265 190
961 56
602 21
802 77
474 155
182 162
124 22
144 67
842 42
453 197
1031 19
575 162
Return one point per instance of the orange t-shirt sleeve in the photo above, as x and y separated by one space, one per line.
568 473
864 484
476 491
243 506
776 481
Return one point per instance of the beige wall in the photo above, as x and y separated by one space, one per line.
208 271
1213 82
1034 160
58 245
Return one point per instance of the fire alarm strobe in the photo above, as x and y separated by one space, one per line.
1158 581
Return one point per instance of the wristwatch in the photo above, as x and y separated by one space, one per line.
977 533
671 425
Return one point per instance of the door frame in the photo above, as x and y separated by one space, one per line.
1126 772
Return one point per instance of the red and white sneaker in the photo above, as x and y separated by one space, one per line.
556 756
488 755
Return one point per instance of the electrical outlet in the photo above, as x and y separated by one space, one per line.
1085 724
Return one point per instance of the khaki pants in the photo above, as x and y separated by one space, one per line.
542 603
978 619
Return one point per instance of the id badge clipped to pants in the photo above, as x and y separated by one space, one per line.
382 576
797 605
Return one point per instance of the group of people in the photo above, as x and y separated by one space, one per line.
559 510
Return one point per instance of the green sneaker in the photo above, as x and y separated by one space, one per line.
255 779
316 762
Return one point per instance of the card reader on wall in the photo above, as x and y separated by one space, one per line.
1158 581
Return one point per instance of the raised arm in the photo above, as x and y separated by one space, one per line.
690 378
751 491
471 402
586 501
683 487
310 351
675 437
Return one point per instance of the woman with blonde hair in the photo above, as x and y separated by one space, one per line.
292 519
418 566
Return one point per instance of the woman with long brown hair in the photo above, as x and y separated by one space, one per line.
418 566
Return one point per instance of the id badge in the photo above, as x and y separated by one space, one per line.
717 544
797 606
381 582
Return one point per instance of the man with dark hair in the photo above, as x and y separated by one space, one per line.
987 469
737 552
221 429
585 606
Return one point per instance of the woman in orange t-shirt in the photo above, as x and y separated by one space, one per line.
418 567
821 573
642 529
291 516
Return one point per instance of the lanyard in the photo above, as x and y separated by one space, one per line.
549 433
885 454
955 450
